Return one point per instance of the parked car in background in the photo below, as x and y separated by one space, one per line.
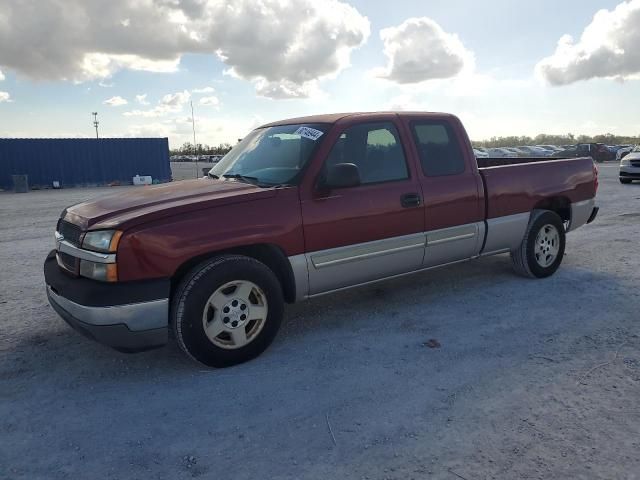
520 151
532 151
623 152
301 208
598 151
500 153
480 153
630 166
551 150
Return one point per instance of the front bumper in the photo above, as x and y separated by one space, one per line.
129 317
629 171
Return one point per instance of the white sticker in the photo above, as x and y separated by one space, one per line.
310 133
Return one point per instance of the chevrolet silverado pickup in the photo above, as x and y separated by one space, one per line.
301 208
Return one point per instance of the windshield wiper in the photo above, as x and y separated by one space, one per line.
245 178
209 174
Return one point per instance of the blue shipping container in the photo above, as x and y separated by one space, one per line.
83 161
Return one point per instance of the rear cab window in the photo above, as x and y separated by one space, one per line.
438 148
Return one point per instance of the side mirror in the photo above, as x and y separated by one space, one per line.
341 175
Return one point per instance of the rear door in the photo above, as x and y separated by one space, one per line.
452 188
375 230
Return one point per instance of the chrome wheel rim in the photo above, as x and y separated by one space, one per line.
547 245
235 314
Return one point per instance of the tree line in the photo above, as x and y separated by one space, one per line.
545 139
201 149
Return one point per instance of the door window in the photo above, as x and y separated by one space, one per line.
375 148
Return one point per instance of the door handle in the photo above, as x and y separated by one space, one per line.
409 200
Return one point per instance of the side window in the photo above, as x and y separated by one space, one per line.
438 148
375 148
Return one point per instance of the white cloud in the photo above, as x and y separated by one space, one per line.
295 43
1 76
116 101
179 130
419 49
142 99
5 97
272 42
175 100
203 90
608 48
210 101
170 103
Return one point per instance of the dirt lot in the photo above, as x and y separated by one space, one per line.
531 378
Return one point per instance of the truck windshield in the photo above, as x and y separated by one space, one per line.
271 155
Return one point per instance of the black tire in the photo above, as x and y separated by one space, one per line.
625 180
191 296
524 257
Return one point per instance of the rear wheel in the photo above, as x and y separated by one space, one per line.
625 180
227 310
541 251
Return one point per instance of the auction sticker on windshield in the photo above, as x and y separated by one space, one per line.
307 132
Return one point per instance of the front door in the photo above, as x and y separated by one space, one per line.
375 230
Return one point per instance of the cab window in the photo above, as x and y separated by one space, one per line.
375 148
438 148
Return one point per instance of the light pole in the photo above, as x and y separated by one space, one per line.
195 148
95 122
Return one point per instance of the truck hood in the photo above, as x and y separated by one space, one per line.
136 205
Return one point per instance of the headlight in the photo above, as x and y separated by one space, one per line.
625 162
103 272
104 241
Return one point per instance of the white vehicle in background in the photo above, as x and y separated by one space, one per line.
480 153
622 152
630 166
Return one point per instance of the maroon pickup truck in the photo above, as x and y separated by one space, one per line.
301 208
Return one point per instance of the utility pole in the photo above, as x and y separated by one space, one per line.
195 148
95 122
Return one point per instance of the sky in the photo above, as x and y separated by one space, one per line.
505 67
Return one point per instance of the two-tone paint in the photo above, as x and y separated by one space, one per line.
347 236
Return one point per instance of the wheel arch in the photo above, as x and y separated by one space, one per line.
269 254
558 204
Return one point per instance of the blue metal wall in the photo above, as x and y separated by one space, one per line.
83 161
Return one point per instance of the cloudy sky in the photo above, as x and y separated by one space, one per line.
506 67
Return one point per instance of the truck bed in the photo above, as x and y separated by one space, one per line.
515 185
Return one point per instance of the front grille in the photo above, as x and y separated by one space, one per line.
635 163
70 232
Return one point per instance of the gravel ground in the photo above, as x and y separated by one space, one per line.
464 372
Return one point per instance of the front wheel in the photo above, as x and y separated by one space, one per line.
227 310
541 251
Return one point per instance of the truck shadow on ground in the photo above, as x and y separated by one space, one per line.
472 299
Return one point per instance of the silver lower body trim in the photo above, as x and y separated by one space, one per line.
364 251
580 213
391 277
505 233
301 275
135 316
